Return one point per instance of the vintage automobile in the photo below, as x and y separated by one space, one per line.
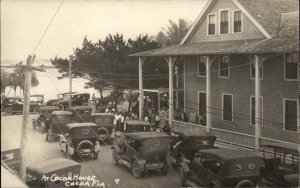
80 139
142 151
185 144
81 114
281 164
36 101
10 155
78 99
58 121
105 123
221 168
44 117
13 105
55 170
60 96
131 126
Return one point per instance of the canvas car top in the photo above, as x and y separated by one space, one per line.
103 114
137 122
227 154
37 95
79 108
50 108
74 125
51 165
146 135
13 98
186 134
61 113
287 148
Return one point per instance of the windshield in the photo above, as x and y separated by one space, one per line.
61 118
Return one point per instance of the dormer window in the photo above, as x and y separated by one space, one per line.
224 22
211 24
237 21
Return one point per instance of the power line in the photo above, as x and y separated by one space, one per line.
44 34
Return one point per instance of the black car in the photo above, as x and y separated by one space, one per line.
105 123
11 105
221 168
81 114
78 99
142 151
185 144
281 164
80 139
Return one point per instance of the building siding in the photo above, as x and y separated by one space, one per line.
273 90
250 31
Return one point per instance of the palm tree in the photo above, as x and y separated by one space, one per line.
174 33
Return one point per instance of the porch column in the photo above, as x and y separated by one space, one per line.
158 100
257 65
171 90
208 94
141 89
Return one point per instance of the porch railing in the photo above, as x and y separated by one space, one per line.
232 138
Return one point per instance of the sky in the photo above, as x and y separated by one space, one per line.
24 21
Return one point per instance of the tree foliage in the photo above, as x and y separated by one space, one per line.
174 33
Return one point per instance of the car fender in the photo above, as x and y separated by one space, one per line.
185 167
71 150
141 163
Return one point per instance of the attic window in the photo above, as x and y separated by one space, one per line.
237 21
224 22
212 24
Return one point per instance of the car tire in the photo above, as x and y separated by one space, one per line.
182 176
85 143
135 169
245 183
115 158
165 169
8 111
104 136
36 109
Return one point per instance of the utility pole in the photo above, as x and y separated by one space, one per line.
25 119
70 77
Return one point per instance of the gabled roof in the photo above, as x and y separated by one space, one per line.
278 19
267 12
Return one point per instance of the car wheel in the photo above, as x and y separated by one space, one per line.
36 109
135 169
115 158
85 148
8 111
245 183
165 169
103 133
182 176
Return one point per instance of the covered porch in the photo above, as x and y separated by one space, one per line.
257 51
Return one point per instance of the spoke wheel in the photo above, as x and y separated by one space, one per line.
8 111
136 170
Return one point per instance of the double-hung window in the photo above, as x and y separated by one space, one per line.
224 66
290 114
224 22
252 109
201 66
211 24
291 66
227 107
237 21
